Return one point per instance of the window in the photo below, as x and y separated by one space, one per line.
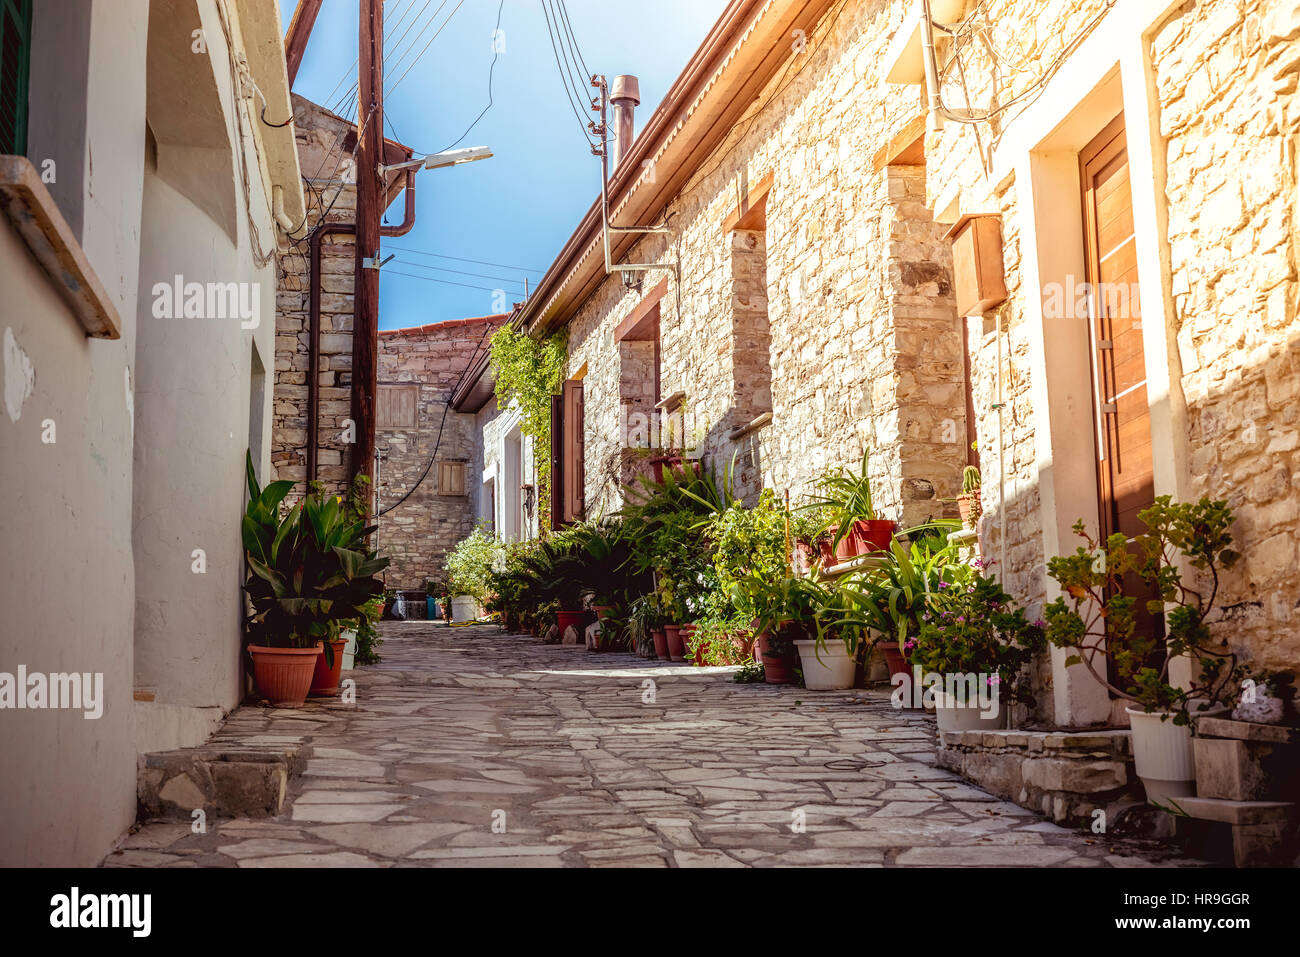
397 407
15 57
751 362
568 476
451 478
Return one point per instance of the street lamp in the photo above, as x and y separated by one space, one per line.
442 160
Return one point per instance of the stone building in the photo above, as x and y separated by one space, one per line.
419 368
430 455
799 300
144 202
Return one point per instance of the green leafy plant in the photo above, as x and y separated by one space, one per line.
308 571
529 371
912 581
979 629
1094 611
470 564
845 498
749 542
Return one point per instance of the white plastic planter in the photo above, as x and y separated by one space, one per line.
350 649
955 717
463 608
834 672
1162 753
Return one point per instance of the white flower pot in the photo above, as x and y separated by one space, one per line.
1162 753
951 716
834 672
463 608
350 649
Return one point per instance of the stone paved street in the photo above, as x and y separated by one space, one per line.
468 747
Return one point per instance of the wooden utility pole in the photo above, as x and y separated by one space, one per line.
370 150
295 41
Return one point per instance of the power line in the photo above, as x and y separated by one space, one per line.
400 55
565 79
445 282
491 71
389 28
420 55
477 262
458 272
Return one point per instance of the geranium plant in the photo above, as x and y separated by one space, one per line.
978 629
1095 613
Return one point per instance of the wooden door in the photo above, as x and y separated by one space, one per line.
1122 415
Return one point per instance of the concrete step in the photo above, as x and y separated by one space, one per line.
222 782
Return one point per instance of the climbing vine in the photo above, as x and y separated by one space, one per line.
529 371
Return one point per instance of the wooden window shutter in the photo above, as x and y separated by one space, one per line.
557 463
574 473
451 478
397 406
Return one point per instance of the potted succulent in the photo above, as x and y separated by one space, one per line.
856 528
969 504
981 642
1094 614
307 571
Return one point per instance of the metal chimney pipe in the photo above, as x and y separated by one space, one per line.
625 94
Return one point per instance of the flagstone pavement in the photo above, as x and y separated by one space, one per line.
470 747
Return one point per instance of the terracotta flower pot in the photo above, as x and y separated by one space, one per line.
776 669
325 678
970 509
602 611
661 644
873 535
827 553
566 618
846 549
676 647
893 657
284 675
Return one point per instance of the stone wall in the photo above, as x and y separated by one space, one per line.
863 347
331 197
417 534
1226 76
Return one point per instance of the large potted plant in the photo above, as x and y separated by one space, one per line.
784 610
829 657
911 581
856 527
981 643
1096 613
307 572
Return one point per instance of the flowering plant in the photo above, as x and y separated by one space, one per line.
978 629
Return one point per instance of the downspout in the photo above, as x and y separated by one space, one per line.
313 349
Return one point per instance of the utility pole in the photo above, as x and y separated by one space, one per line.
365 317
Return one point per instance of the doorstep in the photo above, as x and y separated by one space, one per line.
1246 833
221 782
1064 775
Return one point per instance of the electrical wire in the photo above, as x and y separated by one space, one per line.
458 272
445 282
419 56
389 28
491 70
565 80
477 262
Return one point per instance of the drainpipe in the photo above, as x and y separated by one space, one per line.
313 349
935 111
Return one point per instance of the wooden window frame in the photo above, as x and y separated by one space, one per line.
385 424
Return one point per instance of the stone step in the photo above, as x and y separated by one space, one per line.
222 782
1246 833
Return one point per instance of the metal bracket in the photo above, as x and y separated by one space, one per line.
374 262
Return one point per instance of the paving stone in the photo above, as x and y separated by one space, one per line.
472 748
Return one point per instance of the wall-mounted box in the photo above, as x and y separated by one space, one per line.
978 278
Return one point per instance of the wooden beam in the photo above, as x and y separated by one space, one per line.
642 323
751 212
295 41
905 148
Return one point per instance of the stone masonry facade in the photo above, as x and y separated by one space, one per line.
418 533
864 348
855 295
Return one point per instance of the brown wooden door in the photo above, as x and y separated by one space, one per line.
1122 416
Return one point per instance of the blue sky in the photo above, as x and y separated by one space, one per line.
517 209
